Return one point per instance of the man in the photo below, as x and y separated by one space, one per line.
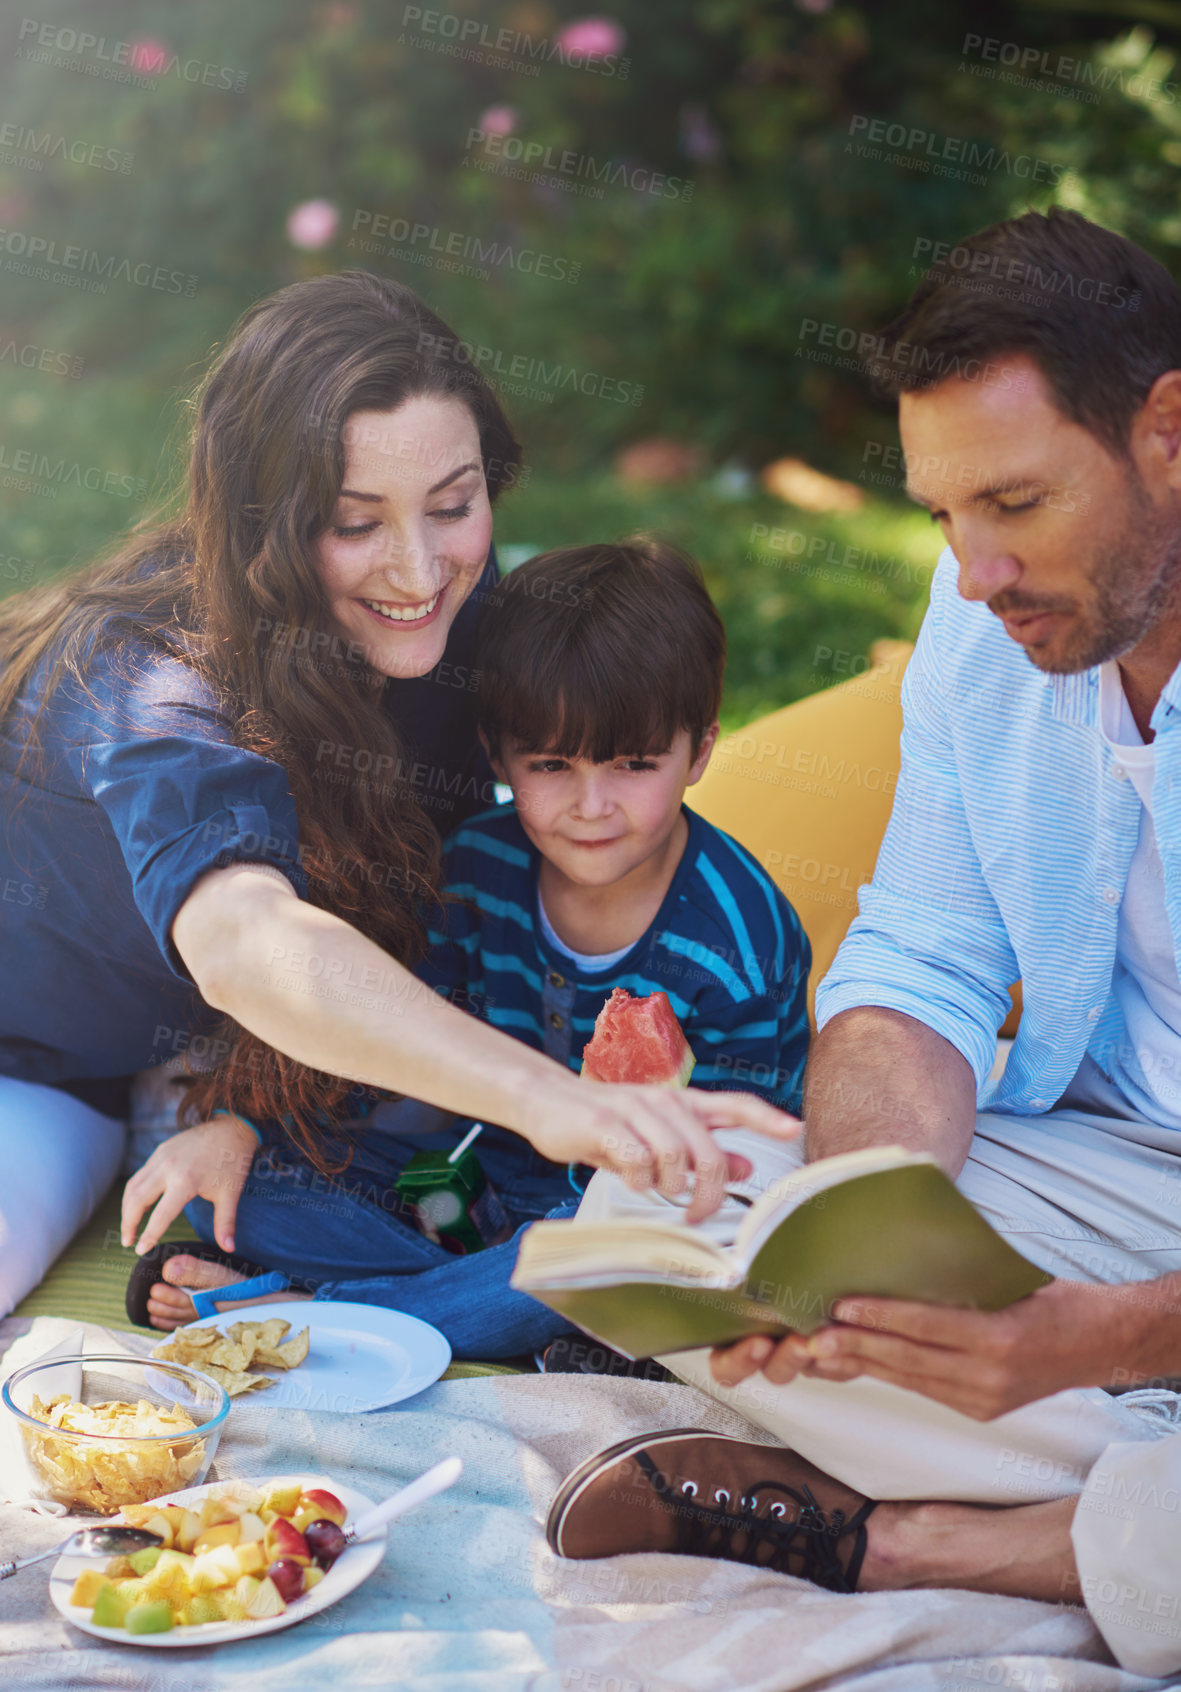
1036 835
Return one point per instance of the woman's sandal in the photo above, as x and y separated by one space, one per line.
148 1271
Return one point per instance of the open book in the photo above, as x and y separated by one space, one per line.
883 1222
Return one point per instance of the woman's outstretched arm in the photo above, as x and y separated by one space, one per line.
315 988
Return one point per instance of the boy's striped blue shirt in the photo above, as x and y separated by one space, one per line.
726 947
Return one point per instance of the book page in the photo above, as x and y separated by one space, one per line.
560 1252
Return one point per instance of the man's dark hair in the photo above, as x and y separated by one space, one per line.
1100 318
600 652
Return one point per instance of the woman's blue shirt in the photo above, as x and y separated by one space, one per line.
131 796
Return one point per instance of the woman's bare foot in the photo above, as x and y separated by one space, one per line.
169 1304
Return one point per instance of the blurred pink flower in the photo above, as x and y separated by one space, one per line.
814 5
596 37
499 120
149 56
312 225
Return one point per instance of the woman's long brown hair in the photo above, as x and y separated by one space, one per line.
226 585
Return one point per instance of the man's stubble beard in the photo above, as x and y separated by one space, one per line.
1125 611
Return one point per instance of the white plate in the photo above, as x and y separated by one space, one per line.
349 1570
361 1356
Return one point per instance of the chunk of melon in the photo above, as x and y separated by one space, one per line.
88 1586
283 1499
252 1558
215 1568
149 1616
114 1600
638 1040
205 1607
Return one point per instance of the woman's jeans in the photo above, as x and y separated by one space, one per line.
347 1236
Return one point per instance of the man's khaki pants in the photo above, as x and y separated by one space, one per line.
1086 1197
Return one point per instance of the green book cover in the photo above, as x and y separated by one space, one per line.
884 1223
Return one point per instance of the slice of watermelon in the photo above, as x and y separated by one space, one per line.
638 1040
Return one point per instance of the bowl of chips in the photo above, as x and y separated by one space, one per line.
103 1432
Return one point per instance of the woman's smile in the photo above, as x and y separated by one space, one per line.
390 612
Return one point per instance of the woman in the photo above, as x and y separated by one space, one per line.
226 756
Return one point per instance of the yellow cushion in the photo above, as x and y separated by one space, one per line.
808 790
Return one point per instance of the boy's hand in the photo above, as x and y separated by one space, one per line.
211 1162
654 1136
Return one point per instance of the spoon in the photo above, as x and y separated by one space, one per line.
90 1542
435 1480
331 1540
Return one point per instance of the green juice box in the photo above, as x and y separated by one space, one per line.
454 1203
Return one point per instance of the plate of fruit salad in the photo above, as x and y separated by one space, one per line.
238 1558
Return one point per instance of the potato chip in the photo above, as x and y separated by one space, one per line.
245 1334
226 1354
189 1347
293 1351
202 1336
236 1382
270 1333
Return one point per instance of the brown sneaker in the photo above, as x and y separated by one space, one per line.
706 1495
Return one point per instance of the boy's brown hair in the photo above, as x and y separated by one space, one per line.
600 652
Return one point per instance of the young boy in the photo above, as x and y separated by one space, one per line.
600 678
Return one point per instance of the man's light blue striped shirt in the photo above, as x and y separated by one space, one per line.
1006 858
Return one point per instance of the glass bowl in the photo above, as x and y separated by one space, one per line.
98 1473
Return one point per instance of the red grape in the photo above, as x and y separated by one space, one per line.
288 1578
326 1541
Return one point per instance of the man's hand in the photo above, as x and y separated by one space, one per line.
653 1136
211 1162
1067 1334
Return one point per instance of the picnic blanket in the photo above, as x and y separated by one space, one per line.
469 1596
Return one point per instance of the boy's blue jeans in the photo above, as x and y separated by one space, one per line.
341 1236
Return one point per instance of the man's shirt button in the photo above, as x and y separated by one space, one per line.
1119 772
556 980
555 1020
1093 1013
1110 896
